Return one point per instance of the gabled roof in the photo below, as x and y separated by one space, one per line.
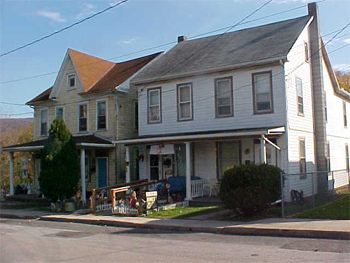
120 73
98 75
89 68
250 46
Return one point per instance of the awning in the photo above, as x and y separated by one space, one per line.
162 149
203 136
82 141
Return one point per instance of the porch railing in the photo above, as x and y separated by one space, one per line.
197 188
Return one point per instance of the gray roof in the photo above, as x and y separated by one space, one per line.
248 46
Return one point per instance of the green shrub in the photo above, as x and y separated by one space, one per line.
59 174
248 189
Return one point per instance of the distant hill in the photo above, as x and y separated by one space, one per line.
14 124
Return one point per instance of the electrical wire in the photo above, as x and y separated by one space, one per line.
64 29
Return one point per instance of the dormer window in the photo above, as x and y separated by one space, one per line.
71 81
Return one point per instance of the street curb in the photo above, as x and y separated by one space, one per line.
12 216
318 234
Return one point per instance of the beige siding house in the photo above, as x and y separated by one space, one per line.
94 98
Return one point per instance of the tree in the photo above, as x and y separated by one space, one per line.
59 164
343 80
12 137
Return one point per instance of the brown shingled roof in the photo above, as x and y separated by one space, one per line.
90 69
120 73
41 97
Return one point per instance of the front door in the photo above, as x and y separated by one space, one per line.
154 166
102 172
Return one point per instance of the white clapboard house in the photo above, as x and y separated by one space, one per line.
265 94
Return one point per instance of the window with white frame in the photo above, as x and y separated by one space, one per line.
83 117
302 158
71 81
101 115
262 90
59 113
184 99
224 97
43 121
345 115
154 105
300 99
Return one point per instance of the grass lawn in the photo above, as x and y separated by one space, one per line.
184 212
338 210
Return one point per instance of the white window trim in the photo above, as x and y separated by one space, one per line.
60 107
179 87
75 81
47 126
97 101
159 105
87 117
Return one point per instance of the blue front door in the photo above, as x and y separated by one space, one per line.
102 172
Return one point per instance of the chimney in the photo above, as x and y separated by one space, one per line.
317 86
181 39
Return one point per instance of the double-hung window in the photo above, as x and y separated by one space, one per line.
306 52
83 117
184 98
101 113
300 100
43 121
345 115
154 105
302 158
262 92
59 113
224 97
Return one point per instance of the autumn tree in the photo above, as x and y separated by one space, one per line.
13 137
59 164
343 78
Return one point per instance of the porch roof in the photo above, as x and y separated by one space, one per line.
198 136
82 141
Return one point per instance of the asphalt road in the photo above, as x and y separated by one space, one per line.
39 241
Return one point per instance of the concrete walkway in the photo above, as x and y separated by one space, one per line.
308 228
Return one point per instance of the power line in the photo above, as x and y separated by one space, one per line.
162 45
65 28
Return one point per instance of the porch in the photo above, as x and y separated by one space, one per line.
200 159
93 154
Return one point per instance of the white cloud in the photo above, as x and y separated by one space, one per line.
130 41
347 40
53 16
342 67
86 10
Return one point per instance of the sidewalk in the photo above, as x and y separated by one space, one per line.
282 227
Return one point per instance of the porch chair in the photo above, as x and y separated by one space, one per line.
210 185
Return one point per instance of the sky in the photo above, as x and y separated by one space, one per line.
129 28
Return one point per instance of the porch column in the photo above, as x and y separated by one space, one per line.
262 149
127 164
12 187
82 174
188 171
